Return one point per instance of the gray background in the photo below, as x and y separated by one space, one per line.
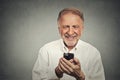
26 25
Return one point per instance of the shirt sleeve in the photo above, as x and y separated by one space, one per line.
95 67
41 70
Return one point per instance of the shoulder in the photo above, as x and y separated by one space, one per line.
50 45
86 45
91 50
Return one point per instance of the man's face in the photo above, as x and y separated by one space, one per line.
70 28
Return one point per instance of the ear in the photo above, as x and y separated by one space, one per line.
82 29
58 26
59 29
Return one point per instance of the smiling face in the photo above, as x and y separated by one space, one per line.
70 28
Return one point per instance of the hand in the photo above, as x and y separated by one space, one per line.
71 67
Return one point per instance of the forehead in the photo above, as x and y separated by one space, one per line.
70 18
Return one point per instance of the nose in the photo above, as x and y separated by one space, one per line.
70 31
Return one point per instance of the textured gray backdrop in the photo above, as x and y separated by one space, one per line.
26 25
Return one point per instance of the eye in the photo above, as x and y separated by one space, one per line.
75 26
66 27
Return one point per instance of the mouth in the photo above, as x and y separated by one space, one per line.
70 38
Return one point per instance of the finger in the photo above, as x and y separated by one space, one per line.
71 60
59 66
76 61
68 63
66 66
64 69
60 60
60 69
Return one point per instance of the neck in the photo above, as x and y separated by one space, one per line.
70 47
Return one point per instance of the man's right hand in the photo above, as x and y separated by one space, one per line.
59 72
59 69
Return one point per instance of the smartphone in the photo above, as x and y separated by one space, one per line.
68 56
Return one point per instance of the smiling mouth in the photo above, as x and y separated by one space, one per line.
70 38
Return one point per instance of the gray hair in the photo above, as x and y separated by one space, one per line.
70 10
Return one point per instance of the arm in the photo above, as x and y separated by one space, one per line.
41 66
42 69
95 67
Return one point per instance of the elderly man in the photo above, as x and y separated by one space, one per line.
83 61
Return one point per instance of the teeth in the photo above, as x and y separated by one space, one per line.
70 38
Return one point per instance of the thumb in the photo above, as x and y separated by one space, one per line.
76 61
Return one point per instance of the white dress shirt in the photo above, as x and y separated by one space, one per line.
49 55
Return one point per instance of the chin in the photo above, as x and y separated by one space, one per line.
70 43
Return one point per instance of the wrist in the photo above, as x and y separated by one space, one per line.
58 72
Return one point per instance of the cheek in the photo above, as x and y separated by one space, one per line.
78 32
62 32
